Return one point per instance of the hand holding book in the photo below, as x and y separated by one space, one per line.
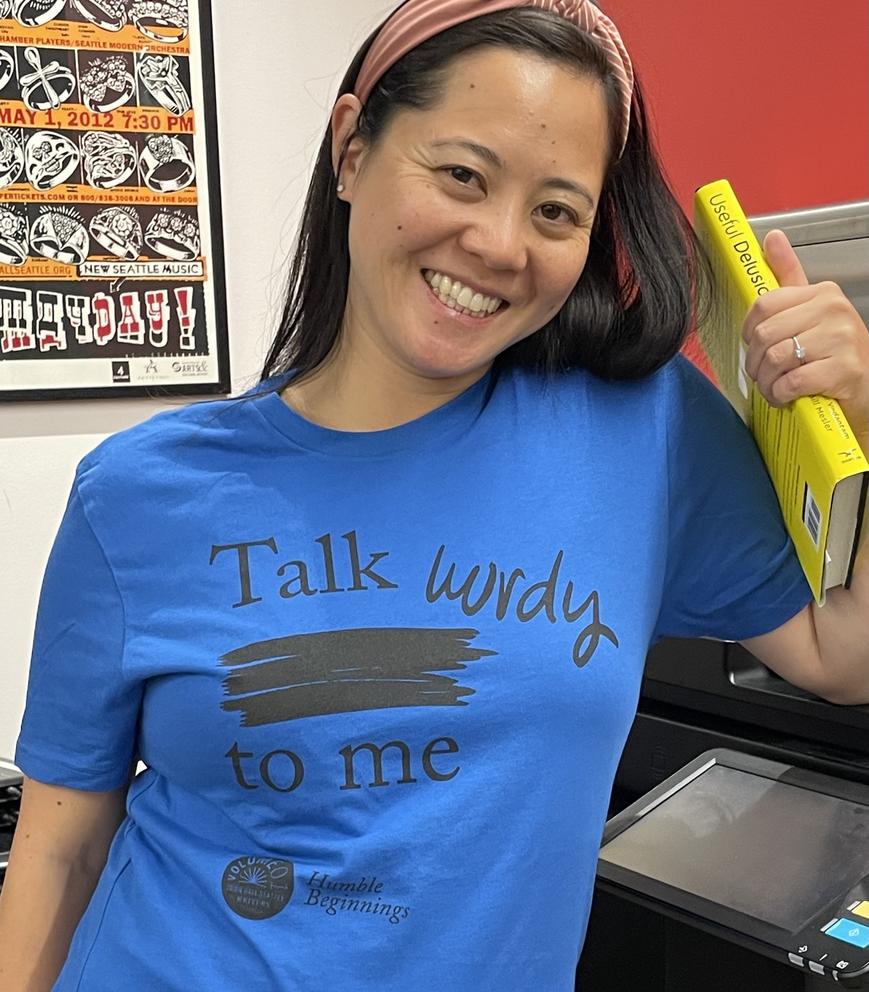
825 324
797 374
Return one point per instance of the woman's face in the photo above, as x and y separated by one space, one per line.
494 189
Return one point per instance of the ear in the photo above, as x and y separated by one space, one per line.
345 117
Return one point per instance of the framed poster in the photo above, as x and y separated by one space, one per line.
111 259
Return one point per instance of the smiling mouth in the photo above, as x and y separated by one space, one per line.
462 299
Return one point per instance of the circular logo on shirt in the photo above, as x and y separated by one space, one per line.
257 888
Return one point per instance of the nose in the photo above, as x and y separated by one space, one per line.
498 235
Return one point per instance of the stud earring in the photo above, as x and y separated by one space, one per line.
340 187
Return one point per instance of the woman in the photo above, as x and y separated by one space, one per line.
377 628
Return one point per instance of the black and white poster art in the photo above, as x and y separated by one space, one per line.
111 258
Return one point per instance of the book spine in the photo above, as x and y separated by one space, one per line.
736 244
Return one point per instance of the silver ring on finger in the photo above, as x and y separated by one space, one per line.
799 351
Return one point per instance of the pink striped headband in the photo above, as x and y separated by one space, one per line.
418 20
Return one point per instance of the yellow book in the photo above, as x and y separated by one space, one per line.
816 465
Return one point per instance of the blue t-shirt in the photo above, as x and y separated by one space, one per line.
381 681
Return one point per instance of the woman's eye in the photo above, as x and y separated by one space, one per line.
462 175
555 211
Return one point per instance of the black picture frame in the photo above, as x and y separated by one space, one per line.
156 295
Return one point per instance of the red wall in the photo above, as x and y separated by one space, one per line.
770 94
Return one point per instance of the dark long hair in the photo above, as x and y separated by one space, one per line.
645 276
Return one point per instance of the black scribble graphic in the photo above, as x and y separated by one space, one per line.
345 671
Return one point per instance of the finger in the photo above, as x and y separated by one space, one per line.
821 378
779 330
783 260
778 360
776 302
841 355
827 325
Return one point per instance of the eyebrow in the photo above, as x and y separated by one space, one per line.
492 157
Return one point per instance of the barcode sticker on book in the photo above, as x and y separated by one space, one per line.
811 516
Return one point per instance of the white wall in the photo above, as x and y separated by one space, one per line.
278 64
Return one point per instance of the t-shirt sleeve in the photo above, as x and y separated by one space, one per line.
80 719
732 571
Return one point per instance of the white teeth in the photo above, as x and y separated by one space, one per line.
460 298
464 297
